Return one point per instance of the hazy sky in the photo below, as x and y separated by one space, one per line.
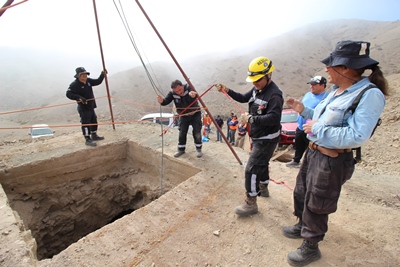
189 27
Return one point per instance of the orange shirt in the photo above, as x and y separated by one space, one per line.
206 121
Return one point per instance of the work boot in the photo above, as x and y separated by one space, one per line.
264 192
248 208
95 137
179 153
305 254
293 231
199 153
293 164
89 142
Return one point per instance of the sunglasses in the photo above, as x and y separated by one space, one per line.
259 79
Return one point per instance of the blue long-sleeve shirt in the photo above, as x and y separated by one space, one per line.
334 128
310 100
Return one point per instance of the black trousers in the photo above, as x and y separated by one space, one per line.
318 186
88 116
184 123
257 167
300 144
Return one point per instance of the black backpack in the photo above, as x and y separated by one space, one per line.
352 108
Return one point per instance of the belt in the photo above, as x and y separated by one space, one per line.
333 153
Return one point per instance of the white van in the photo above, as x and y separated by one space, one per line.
166 119
40 130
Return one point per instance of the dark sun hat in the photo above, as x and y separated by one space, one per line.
352 54
79 71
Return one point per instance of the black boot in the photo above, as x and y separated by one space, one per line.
89 142
305 254
95 137
264 192
293 231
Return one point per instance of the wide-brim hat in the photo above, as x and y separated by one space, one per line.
352 54
79 71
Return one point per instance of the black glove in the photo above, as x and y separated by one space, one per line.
82 99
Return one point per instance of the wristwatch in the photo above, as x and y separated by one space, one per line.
251 119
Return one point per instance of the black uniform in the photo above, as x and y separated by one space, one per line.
78 90
265 106
191 116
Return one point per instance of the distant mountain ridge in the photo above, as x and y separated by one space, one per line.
31 82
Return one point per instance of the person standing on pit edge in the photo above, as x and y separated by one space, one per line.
329 161
81 90
310 99
265 103
183 95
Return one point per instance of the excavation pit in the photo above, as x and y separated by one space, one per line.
62 199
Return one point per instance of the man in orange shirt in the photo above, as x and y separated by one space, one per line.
233 124
207 124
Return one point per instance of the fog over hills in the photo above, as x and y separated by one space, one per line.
40 78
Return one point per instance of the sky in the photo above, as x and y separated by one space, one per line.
188 27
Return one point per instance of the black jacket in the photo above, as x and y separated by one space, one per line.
266 109
78 89
182 102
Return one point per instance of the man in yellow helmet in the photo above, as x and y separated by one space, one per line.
264 117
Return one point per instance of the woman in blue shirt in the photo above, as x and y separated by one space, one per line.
329 161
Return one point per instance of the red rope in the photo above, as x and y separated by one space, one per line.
180 114
234 103
281 182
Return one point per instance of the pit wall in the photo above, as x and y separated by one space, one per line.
63 199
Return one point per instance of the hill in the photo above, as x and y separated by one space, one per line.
57 190
29 81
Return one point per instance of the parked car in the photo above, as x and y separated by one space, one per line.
40 130
166 119
289 125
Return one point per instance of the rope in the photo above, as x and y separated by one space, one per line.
10 6
233 102
190 113
130 35
281 182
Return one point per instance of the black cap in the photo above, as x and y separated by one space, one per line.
317 80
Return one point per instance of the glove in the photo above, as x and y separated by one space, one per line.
82 99
244 118
221 87
104 72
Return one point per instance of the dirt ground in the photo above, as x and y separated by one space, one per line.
194 224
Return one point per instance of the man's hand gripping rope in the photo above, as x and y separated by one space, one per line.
180 114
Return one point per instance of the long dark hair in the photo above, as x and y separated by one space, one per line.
377 78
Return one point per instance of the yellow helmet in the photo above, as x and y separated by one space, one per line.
258 68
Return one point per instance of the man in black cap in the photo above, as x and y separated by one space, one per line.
311 99
336 129
81 90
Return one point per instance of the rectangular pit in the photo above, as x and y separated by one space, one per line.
63 199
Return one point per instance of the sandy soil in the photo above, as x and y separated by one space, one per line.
194 224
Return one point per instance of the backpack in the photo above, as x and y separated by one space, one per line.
352 108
